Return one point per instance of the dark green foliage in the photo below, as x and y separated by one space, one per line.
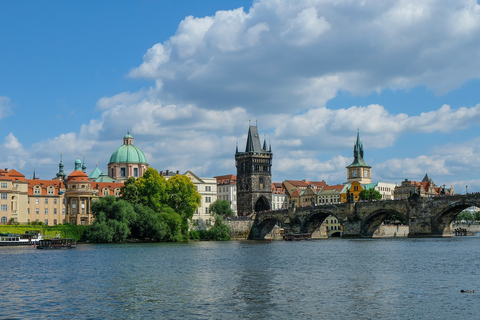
130 191
221 208
99 232
150 209
369 195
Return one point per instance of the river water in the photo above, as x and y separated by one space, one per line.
335 278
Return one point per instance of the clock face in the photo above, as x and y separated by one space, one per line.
354 174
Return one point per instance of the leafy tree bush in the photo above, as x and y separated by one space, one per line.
369 194
221 208
150 208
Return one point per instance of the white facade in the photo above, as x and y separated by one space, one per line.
386 189
279 201
207 188
227 190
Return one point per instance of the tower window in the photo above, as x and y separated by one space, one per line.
122 172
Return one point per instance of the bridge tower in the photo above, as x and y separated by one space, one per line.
254 176
359 170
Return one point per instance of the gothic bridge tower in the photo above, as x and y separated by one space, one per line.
254 175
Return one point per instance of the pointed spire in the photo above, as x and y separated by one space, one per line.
84 166
34 174
236 151
60 167
264 143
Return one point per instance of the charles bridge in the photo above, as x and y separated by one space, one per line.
426 217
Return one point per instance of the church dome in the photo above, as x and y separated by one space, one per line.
128 153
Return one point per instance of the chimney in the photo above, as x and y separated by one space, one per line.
178 172
161 173
166 172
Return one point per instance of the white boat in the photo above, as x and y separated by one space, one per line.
29 238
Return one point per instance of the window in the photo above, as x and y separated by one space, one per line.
208 199
3 207
37 211
51 190
54 222
37 190
46 222
4 185
4 219
36 201
208 188
55 211
28 210
54 201
46 201
105 192
46 211
4 196
135 172
28 200
206 210
122 172
63 212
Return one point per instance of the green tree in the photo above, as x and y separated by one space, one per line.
369 194
183 196
464 215
99 231
152 189
130 191
221 208
220 231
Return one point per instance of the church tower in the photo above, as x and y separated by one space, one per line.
359 170
254 176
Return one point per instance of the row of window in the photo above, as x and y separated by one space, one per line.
37 201
37 211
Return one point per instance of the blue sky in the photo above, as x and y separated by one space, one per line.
185 76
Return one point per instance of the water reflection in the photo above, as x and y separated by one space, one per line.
350 279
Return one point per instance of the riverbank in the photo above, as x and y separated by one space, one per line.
65 231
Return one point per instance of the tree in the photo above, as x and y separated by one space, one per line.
183 196
152 189
130 191
369 194
220 231
221 208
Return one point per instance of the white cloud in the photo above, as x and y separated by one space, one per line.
301 53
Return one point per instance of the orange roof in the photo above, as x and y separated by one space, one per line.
12 175
337 187
44 184
226 179
77 175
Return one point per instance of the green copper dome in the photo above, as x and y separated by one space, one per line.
128 153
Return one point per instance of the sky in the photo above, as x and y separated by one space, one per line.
186 78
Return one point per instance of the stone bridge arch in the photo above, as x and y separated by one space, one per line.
373 221
315 218
442 221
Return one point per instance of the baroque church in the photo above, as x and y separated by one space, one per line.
254 176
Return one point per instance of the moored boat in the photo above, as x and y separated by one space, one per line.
57 243
29 238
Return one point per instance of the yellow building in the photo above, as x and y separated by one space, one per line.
351 192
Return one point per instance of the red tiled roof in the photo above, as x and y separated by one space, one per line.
226 179
12 175
44 184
